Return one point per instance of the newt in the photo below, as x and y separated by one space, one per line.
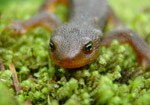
77 43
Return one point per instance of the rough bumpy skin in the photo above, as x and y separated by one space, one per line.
87 20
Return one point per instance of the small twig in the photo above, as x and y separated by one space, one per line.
28 102
1 65
14 77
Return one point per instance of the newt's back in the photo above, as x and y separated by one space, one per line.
87 10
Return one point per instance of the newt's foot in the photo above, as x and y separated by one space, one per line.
16 28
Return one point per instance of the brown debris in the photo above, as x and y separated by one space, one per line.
1 65
28 102
14 77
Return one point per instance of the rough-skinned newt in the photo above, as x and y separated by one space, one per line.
77 42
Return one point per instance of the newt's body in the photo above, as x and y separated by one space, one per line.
77 43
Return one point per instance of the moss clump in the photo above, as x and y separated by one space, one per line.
114 78
6 97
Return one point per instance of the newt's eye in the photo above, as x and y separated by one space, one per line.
52 46
88 47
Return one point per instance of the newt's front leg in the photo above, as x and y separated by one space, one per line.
140 47
44 19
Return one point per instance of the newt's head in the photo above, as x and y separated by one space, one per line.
73 46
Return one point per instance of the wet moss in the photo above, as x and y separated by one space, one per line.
114 78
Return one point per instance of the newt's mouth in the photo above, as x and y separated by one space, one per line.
76 62
71 64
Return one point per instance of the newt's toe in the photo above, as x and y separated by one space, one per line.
16 28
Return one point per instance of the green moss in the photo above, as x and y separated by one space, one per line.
6 98
112 79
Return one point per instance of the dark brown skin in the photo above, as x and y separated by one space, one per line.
77 43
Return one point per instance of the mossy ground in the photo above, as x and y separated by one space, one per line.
114 78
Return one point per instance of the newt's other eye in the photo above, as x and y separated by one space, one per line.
52 46
88 47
